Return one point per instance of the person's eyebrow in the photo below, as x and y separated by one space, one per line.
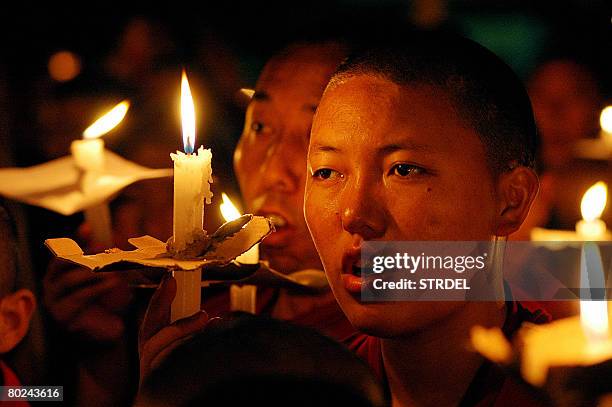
260 95
406 145
324 148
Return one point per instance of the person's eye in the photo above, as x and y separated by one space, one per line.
258 127
326 174
405 170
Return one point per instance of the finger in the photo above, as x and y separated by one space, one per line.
70 306
157 315
168 338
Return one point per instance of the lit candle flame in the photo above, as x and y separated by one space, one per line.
605 119
187 115
593 311
594 201
228 210
109 121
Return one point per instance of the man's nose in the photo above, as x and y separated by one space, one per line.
360 212
282 166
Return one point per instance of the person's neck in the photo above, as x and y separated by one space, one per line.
435 366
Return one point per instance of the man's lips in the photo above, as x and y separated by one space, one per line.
283 228
352 283
351 270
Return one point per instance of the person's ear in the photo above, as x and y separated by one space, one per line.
16 311
516 191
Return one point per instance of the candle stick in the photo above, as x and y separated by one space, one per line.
592 205
605 121
192 178
590 228
88 155
242 298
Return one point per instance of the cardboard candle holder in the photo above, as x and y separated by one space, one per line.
228 242
58 184
146 264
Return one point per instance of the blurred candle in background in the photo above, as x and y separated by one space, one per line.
88 155
242 298
593 203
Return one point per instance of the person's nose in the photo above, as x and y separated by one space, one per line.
283 166
361 212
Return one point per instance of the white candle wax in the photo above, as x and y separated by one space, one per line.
243 298
591 230
192 178
88 154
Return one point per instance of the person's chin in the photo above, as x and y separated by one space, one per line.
385 319
281 261
367 317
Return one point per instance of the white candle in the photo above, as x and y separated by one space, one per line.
242 298
605 121
88 155
592 205
192 178
590 228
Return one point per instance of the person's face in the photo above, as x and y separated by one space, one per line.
270 159
390 162
565 100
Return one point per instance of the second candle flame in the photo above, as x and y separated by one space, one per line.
228 210
187 115
594 201
108 121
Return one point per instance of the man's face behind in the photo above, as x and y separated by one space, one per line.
390 162
270 159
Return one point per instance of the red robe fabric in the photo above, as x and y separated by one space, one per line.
9 378
490 386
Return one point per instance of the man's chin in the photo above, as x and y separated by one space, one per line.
283 263
386 320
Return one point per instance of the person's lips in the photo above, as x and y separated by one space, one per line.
277 220
283 228
352 283
351 270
